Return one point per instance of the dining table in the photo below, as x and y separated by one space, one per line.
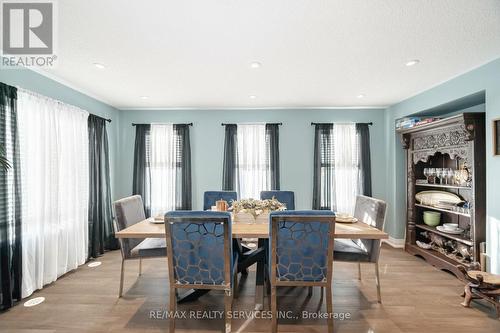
155 228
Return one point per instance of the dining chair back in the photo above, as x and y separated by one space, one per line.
129 211
301 253
370 211
286 197
199 245
210 197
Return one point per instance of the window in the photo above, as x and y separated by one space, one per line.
162 166
252 164
339 167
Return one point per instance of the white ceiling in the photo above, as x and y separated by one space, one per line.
189 53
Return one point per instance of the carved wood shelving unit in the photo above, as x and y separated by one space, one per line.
447 143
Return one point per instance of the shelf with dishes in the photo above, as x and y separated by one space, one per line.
455 187
459 238
443 210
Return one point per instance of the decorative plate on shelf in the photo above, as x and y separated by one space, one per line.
435 197
457 231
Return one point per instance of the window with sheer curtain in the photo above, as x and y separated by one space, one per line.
55 184
338 173
162 168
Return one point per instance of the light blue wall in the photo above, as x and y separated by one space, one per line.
38 83
485 78
296 145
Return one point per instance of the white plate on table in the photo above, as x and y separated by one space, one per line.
457 231
349 219
157 220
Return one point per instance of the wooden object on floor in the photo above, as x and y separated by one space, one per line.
456 142
481 285
358 230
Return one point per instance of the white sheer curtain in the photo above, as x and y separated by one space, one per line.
346 167
163 168
253 164
54 166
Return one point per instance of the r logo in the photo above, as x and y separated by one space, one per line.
27 28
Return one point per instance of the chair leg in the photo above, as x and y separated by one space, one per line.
122 273
235 285
329 308
173 306
310 292
359 270
140 266
377 280
274 310
228 304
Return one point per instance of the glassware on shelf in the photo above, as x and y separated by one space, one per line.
440 175
448 174
427 174
432 173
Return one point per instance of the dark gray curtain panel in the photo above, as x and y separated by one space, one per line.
183 194
324 167
101 233
229 172
273 143
10 201
141 183
365 169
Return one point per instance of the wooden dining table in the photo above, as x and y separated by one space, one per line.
155 228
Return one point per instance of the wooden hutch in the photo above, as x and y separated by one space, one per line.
457 142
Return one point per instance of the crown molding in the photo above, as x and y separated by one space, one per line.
253 108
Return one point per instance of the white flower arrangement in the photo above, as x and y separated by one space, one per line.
256 207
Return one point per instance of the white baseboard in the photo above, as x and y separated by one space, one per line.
395 242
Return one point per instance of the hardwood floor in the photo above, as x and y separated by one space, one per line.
415 298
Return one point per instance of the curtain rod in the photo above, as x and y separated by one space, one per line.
224 124
332 123
108 120
189 124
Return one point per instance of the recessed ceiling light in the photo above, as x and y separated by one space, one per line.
255 64
99 65
252 97
94 264
412 62
361 96
144 97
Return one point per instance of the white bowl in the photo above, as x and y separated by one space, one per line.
450 226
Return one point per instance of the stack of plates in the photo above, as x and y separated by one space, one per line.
456 231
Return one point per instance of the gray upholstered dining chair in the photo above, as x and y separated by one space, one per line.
201 256
129 211
372 212
301 254
286 197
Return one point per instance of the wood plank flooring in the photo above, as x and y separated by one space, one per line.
416 298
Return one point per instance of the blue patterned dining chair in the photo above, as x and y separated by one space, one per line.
286 197
372 212
129 211
301 254
200 247
210 197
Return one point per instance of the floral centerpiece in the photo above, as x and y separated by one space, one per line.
255 207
